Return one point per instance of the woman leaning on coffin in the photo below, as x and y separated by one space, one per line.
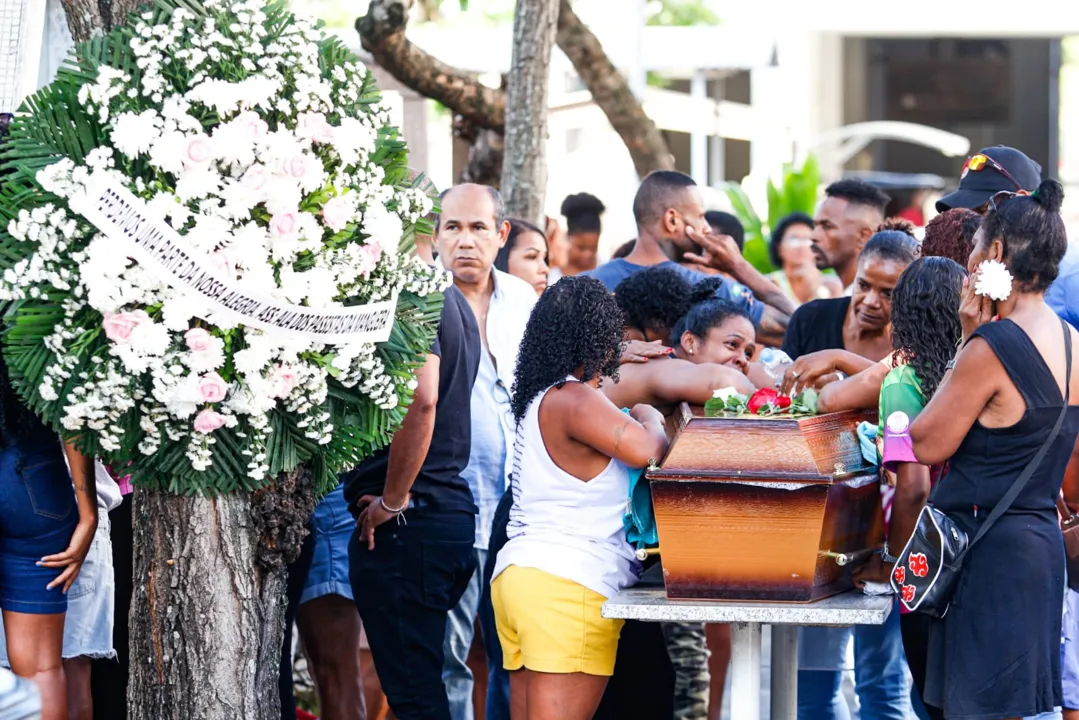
567 551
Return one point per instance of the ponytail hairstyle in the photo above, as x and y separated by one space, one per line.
1032 231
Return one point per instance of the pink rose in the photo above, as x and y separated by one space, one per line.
369 254
119 326
197 153
336 213
207 421
197 339
253 125
283 224
212 388
298 166
221 261
255 178
284 380
313 126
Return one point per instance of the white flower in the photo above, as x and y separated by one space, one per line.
994 281
135 134
384 227
725 394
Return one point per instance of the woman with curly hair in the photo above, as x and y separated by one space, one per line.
925 333
567 551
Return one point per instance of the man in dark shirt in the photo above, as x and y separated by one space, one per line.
411 555
849 215
672 229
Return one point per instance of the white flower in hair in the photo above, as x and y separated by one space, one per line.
994 280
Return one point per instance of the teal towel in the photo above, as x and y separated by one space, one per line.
867 438
639 520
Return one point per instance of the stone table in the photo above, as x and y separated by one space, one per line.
650 604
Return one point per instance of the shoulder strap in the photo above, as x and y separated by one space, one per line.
1017 487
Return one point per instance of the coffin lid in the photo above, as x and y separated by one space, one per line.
814 449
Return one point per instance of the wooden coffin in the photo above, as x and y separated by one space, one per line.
771 509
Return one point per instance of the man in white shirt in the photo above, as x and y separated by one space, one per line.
468 234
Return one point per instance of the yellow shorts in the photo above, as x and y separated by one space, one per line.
552 625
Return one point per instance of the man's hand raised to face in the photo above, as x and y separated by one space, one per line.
719 252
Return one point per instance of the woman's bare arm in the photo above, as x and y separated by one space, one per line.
590 418
962 396
858 392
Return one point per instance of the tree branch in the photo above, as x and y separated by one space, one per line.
382 33
612 94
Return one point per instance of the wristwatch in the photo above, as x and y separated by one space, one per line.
886 556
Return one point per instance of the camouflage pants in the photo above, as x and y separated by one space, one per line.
688 649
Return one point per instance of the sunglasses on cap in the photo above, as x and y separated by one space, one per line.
978 162
998 199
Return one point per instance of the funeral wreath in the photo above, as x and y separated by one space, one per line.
205 250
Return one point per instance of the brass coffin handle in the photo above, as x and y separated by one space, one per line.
842 559
643 554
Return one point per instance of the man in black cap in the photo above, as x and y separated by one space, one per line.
994 169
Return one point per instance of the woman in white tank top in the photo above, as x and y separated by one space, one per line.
567 552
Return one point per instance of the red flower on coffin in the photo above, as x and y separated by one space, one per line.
919 565
900 574
908 594
767 396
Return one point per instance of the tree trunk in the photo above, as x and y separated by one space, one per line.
524 160
87 18
484 154
382 33
206 623
207 616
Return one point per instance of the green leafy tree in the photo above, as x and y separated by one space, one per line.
796 192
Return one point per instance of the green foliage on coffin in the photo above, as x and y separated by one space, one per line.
57 124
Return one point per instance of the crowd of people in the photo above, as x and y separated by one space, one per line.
461 571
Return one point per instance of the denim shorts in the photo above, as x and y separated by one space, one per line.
38 515
91 602
1069 650
332 527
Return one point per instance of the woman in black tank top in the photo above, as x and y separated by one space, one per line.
996 654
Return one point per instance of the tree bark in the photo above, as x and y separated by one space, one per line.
87 18
207 616
206 625
524 160
382 33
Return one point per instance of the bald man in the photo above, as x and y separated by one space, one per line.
847 218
